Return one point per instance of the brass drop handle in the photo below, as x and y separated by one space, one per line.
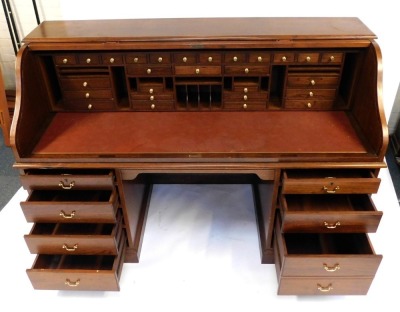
331 225
333 191
334 268
72 284
66 187
324 288
67 216
70 249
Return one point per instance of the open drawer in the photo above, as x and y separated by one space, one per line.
329 213
74 272
75 238
87 206
330 181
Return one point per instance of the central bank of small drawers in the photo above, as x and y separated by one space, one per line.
78 229
321 242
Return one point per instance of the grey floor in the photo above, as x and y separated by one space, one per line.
9 180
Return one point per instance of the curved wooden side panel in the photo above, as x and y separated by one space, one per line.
367 108
32 108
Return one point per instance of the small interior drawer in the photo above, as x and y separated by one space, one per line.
78 272
329 181
75 238
324 255
329 213
83 206
67 179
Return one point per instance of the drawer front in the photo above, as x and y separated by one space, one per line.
67 59
309 104
185 58
80 272
249 96
235 57
89 105
308 80
89 59
329 214
324 286
210 58
159 105
160 58
149 70
197 70
329 182
259 57
113 59
256 105
55 179
75 239
136 58
308 58
85 83
326 94
71 206
332 58
247 70
89 95
284 57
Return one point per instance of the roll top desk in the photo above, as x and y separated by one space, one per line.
292 106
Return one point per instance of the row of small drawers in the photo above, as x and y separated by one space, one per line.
198 58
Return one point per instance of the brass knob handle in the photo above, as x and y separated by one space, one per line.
67 216
88 60
259 59
245 90
184 59
65 61
85 84
333 191
151 97
197 71
283 58
87 95
160 59
72 284
90 106
309 105
331 58
135 60
148 70
151 91
331 225
312 82
210 59
66 186
112 60
308 59
235 59
246 70
245 97
324 288
334 268
152 106
70 249
245 106
311 94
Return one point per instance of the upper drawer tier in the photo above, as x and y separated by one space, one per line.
329 182
68 179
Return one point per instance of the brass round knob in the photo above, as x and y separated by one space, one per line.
84 84
152 106
148 70
235 59
308 59
160 59
312 82
151 91
259 59
65 61
283 58
210 59
309 105
184 59
112 60
151 97
332 58
245 97
311 94
246 70
90 106
245 90
87 95
88 60
135 60
197 71
244 105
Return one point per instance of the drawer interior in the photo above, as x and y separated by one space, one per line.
329 173
310 203
71 195
72 229
319 243
74 262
